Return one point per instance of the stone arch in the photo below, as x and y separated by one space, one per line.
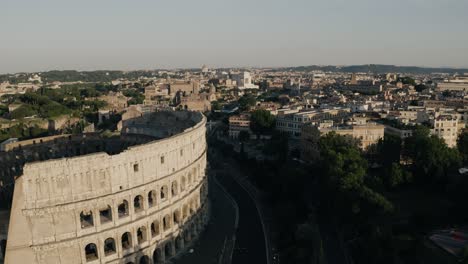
142 235
144 260
105 215
123 209
168 249
91 252
166 222
126 241
179 244
155 228
189 178
185 211
176 217
164 192
152 198
86 219
138 203
158 256
174 188
109 246
187 236
183 183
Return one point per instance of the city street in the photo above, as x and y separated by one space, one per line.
250 243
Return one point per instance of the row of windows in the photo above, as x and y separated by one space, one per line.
105 215
142 235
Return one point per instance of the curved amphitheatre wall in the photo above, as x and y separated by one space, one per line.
142 205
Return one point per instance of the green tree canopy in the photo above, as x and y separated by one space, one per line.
246 102
262 122
462 145
431 158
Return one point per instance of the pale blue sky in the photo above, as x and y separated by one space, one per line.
39 35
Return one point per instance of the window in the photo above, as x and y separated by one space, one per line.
123 209
181 152
151 198
155 228
86 219
163 192
176 217
91 252
166 222
141 235
135 167
105 215
126 241
174 188
109 246
138 203
162 159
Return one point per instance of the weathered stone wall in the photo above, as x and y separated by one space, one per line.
149 200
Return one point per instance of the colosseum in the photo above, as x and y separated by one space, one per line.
136 197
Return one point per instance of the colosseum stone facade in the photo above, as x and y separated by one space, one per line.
138 197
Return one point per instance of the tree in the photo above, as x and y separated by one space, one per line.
246 102
22 112
397 176
215 106
344 176
420 87
244 136
262 122
431 158
389 150
462 145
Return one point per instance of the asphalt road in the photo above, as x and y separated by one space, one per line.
208 248
250 240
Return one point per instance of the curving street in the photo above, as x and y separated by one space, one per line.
250 240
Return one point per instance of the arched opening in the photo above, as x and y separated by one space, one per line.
123 209
174 188
86 219
168 249
158 257
126 241
91 252
105 215
163 192
155 228
179 244
192 208
144 260
109 246
185 211
166 222
187 237
189 178
138 203
183 182
152 198
142 235
176 217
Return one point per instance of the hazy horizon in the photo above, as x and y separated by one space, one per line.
87 35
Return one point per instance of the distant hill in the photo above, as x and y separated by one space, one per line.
378 69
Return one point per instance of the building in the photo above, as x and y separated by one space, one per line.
140 197
238 123
183 87
244 81
446 127
291 122
368 134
